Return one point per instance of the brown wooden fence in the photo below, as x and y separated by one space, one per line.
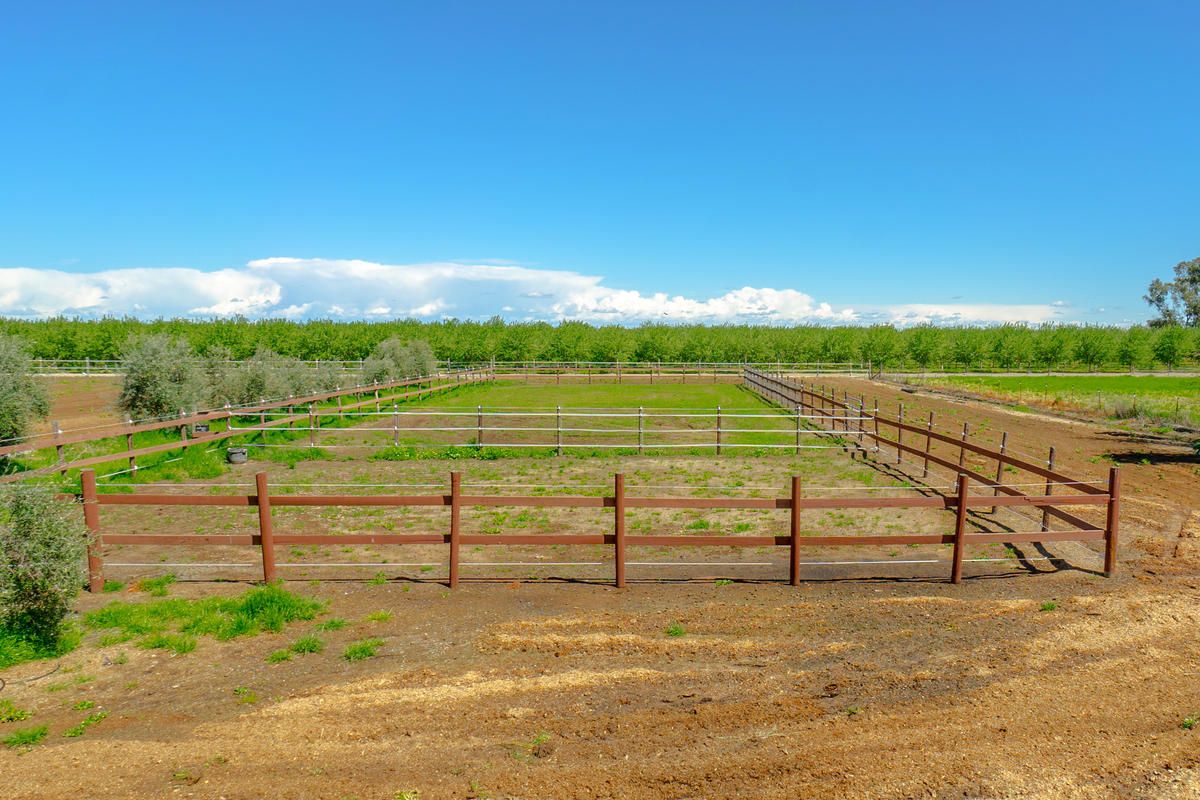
850 415
619 501
383 392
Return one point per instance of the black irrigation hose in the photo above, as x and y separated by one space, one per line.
4 683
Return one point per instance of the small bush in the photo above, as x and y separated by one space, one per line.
1049 605
43 544
360 650
22 399
675 629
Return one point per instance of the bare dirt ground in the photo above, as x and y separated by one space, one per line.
835 689
81 401
1023 682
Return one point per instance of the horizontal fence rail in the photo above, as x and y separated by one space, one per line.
620 501
566 428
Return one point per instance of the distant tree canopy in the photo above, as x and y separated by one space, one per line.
1177 302
380 345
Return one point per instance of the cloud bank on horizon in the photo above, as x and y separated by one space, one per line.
311 288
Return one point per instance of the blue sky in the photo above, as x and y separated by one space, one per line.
784 162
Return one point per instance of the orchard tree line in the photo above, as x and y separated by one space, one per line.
1163 344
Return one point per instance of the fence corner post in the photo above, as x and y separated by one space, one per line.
619 528
794 538
455 525
960 529
91 518
266 531
1112 521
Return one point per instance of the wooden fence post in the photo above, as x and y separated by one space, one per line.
455 524
962 452
641 430
395 424
60 455
718 430
875 421
960 530
266 531
899 432
1112 521
312 427
558 429
928 445
794 569
1049 490
1000 466
91 518
798 409
479 425
619 528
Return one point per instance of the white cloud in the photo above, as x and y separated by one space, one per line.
300 288
968 313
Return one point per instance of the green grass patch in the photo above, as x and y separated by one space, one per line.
1161 397
290 456
675 630
362 649
10 713
16 649
113 586
88 722
332 624
175 623
26 737
156 587
308 644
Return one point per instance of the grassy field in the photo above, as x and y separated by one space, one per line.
1157 400
522 419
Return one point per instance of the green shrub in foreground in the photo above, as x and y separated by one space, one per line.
43 544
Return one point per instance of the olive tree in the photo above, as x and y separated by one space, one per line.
43 548
393 359
162 378
22 399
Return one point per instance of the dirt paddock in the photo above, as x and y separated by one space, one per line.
1035 681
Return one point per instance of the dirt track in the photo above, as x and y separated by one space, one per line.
838 688
895 689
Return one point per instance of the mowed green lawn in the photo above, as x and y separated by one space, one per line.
675 415
544 397
1171 399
